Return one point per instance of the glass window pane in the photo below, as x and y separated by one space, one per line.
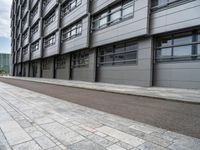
103 22
167 41
115 14
164 52
119 57
109 58
199 36
131 55
198 49
183 40
127 10
119 48
183 51
130 46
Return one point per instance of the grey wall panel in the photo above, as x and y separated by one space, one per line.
64 73
52 50
85 73
51 5
77 13
26 57
178 74
25 42
134 27
25 68
37 72
48 73
98 5
53 26
136 74
37 54
79 42
183 16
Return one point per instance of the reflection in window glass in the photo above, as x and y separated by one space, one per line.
183 51
165 42
127 9
164 52
115 15
199 36
198 49
119 48
183 40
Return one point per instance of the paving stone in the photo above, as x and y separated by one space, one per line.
157 140
143 128
43 120
63 134
112 139
3 142
100 134
115 147
45 142
86 145
55 148
99 140
124 145
150 146
24 123
81 130
14 133
129 139
31 145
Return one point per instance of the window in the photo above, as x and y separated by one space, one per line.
70 6
80 59
24 21
25 35
35 46
72 31
178 47
122 53
49 19
34 12
60 62
118 13
163 3
49 41
25 50
34 29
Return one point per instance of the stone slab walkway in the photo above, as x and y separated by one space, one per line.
33 121
184 95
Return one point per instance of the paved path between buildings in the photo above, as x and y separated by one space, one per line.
171 115
185 95
33 121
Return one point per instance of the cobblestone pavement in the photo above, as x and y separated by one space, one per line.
33 121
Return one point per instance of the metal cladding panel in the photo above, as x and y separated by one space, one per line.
37 54
178 74
85 73
64 73
80 42
179 17
134 27
52 50
76 14
37 71
49 7
132 74
98 5
25 69
53 26
48 73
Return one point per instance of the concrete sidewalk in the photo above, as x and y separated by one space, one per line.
33 121
183 95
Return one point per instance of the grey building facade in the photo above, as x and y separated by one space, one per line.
133 42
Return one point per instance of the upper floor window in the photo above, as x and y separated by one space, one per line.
34 11
161 3
114 14
25 35
24 6
24 21
183 46
45 3
35 46
51 18
72 31
80 59
121 53
69 6
49 41
35 28
25 50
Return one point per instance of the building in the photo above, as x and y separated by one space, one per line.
5 62
134 42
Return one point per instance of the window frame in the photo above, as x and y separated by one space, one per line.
50 40
80 59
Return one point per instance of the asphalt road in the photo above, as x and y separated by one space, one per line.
174 116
